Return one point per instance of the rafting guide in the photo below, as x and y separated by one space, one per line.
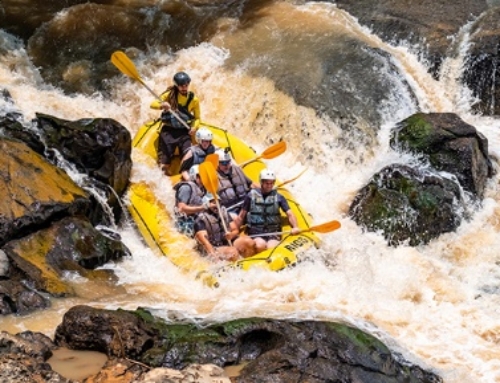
177 129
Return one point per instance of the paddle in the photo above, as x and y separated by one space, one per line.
127 67
322 228
210 180
271 152
291 179
213 159
276 187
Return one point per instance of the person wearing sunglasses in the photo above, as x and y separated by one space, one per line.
233 183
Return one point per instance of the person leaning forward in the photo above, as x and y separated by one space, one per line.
214 240
234 185
189 202
174 133
261 211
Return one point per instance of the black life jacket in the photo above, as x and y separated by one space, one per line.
170 121
199 154
233 187
214 227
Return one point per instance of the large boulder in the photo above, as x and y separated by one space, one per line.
273 350
408 205
36 193
71 244
99 147
448 144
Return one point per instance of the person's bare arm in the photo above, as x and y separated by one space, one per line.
293 221
187 209
202 237
233 231
238 221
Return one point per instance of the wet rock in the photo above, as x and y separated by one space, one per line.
16 298
275 351
115 333
23 359
408 205
38 347
71 244
119 370
99 147
36 192
426 24
482 75
4 264
448 144
195 373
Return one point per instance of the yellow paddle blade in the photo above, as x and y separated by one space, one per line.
274 150
209 178
271 152
125 65
324 227
214 159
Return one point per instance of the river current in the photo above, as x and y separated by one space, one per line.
438 305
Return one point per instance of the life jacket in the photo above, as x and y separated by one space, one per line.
199 154
195 198
264 213
214 227
183 222
233 187
170 121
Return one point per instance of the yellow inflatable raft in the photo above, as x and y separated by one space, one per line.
155 221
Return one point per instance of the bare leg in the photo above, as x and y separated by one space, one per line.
260 244
245 246
272 243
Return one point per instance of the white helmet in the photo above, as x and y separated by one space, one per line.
203 134
208 197
223 155
267 174
193 172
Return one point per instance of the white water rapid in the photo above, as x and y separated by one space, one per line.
438 305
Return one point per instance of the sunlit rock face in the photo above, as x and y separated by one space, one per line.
37 191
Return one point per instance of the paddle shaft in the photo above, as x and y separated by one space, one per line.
276 187
127 67
322 228
210 180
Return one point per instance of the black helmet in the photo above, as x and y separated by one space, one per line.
181 78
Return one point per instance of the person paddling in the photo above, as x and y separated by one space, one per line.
215 242
233 183
261 212
176 134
